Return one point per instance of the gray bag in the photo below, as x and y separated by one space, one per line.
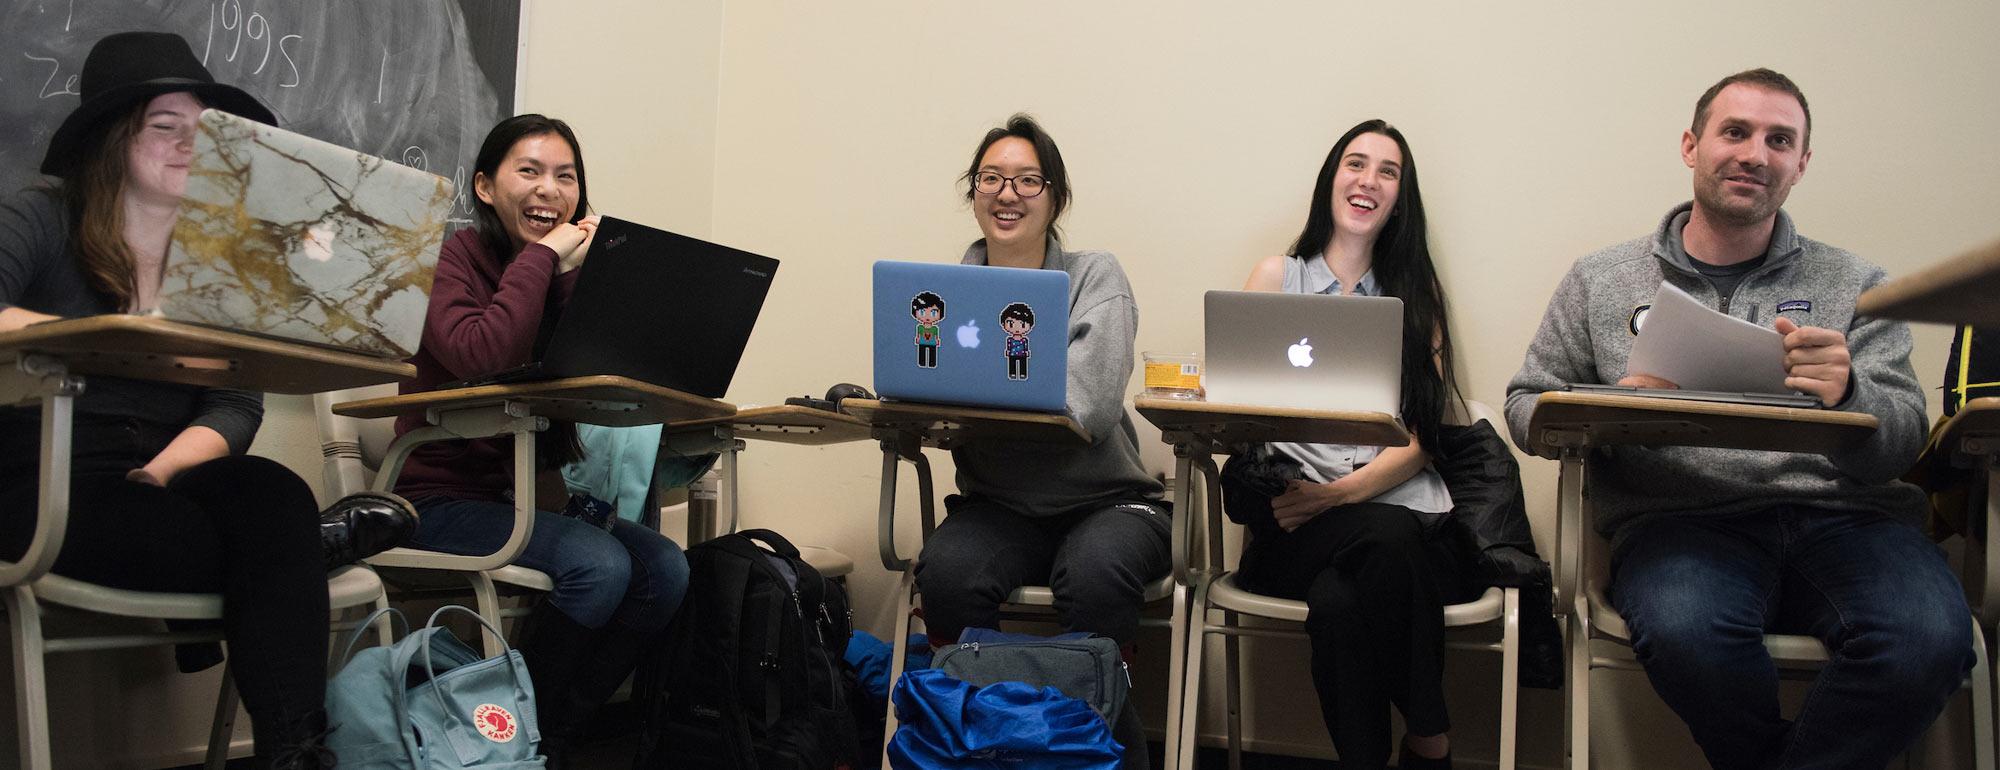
1085 667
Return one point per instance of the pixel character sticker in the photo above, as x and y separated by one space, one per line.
1017 320
928 309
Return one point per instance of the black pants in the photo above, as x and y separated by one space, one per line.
1376 589
1097 561
245 527
927 356
1017 367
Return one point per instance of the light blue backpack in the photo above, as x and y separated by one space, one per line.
429 702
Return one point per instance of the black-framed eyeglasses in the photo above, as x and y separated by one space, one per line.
1025 185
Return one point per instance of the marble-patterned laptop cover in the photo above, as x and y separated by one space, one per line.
289 236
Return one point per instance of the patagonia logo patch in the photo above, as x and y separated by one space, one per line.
1638 318
1803 306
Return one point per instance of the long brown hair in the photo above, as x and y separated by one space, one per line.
93 195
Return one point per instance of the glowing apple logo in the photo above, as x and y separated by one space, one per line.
968 335
1301 353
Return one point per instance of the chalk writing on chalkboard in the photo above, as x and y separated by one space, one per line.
417 81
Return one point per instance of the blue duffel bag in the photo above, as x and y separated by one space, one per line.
947 724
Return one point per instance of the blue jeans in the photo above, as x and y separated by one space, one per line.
1700 593
630 575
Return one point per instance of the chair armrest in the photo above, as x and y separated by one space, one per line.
481 422
894 450
50 382
1572 529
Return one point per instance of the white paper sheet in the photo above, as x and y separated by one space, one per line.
1684 342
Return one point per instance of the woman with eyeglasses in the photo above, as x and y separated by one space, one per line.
1087 521
1350 537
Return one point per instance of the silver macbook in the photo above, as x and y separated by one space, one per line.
288 236
1304 351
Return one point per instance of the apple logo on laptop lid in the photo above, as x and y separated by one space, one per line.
968 335
1301 353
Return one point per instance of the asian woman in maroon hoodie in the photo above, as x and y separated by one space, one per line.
499 287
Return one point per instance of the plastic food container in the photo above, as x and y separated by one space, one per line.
1173 375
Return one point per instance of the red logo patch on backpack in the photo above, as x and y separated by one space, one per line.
494 722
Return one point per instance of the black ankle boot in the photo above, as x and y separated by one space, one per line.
1409 760
296 744
557 651
363 524
618 652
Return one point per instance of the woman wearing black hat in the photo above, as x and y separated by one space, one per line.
163 497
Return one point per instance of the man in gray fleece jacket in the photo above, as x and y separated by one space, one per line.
1713 548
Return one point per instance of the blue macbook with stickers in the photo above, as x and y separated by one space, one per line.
972 335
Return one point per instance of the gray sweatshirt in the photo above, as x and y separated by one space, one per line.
1037 479
1587 334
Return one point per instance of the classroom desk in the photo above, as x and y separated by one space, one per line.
1199 430
519 410
785 424
1570 425
904 430
1961 290
52 363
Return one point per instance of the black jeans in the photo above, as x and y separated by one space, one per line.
1376 590
1097 561
241 526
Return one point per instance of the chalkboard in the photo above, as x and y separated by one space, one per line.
416 81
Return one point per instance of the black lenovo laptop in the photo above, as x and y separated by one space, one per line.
655 306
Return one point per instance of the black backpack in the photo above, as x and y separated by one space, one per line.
1973 368
750 675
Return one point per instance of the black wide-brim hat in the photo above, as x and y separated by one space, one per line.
131 67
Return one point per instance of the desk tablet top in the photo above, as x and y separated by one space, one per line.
786 424
1230 424
599 400
1601 419
157 349
945 426
1963 289
1975 429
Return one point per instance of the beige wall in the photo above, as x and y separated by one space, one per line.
1192 132
829 135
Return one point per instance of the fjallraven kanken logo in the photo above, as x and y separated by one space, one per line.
494 722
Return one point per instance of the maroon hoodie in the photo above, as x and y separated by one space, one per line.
483 317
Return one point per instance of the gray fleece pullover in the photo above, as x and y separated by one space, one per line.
1587 335
1036 479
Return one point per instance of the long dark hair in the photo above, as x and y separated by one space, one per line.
93 195
1401 261
559 445
1024 126
492 234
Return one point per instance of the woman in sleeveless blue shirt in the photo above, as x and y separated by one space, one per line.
1349 538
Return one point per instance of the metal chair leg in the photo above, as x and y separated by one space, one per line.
906 591
31 698
1510 676
223 728
1191 694
1232 688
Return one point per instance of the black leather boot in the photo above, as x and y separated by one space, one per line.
298 743
1409 760
363 524
616 655
557 651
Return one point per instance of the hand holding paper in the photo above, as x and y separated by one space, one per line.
1685 343
1816 360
